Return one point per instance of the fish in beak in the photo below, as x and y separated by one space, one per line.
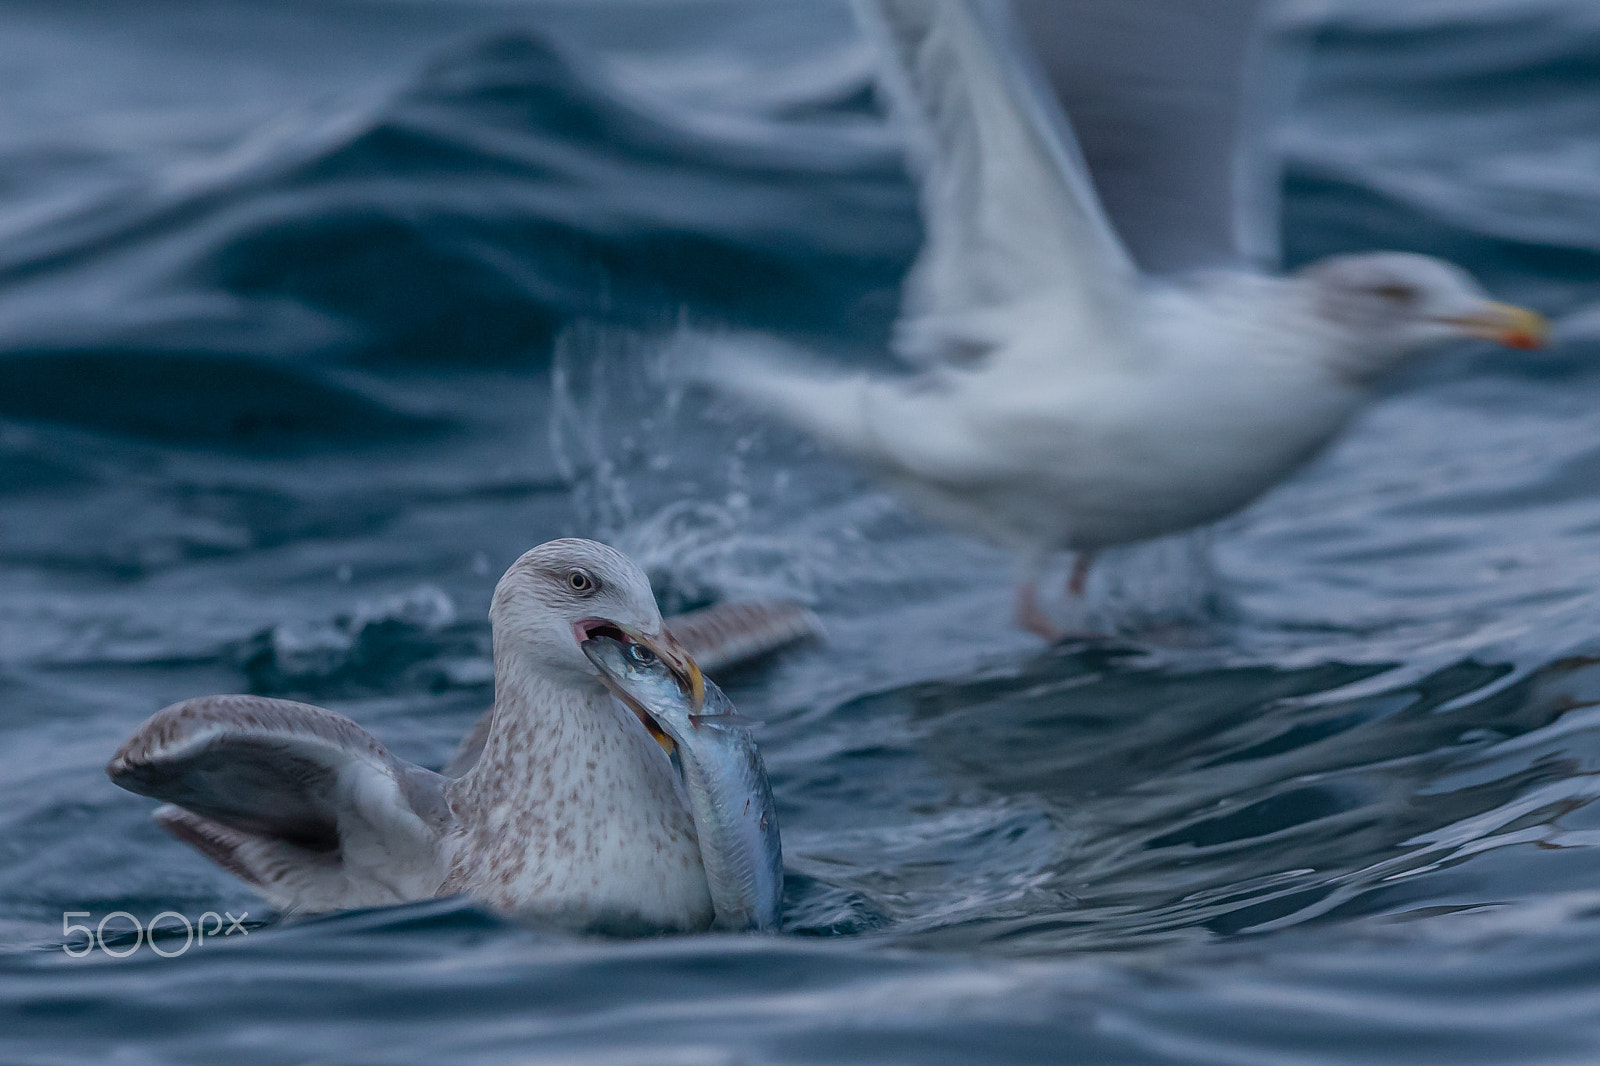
682 664
665 647
1514 327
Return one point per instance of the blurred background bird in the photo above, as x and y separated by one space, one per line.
1102 350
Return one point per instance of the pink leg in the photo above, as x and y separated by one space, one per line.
1079 581
1031 616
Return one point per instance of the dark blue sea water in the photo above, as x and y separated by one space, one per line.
313 315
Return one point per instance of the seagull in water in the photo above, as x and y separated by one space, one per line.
570 811
1076 388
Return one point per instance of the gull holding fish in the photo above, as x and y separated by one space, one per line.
1102 353
571 812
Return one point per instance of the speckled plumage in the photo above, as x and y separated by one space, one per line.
572 813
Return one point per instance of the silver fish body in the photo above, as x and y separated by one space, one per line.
723 776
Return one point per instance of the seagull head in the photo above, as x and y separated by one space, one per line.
564 592
1389 306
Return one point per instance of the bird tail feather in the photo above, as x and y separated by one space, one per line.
770 379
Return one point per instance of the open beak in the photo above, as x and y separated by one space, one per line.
1515 327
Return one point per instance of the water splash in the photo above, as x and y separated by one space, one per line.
684 488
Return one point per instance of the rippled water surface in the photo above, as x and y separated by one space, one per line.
314 315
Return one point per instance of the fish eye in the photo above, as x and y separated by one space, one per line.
640 655
581 581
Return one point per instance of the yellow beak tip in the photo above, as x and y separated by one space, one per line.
697 686
1518 327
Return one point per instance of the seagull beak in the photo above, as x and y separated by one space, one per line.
1515 327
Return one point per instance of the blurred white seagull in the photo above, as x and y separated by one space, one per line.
1065 400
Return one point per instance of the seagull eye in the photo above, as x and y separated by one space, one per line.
1397 293
580 581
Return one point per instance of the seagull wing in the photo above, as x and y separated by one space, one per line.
1007 202
301 802
730 634
1172 102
